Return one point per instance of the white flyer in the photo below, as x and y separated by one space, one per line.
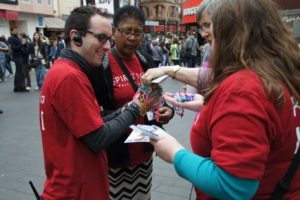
142 133
159 79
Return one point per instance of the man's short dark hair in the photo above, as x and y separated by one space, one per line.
13 28
126 12
80 20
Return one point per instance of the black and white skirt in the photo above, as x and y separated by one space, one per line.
131 183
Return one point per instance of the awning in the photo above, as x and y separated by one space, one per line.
9 14
54 23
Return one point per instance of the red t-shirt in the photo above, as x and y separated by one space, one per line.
123 93
244 134
68 111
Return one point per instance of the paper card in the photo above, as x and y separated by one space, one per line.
142 133
150 115
137 136
159 79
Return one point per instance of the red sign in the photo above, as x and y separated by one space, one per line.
189 9
182 28
147 29
9 14
171 28
159 28
288 4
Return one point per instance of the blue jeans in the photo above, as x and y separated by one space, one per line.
2 66
166 59
191 61
40 74
8 65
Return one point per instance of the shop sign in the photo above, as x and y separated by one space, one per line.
159 28
182 28
9 1
189 9
291 18
170 28
106 4
151 23
147 29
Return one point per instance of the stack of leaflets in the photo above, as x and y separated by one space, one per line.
143 133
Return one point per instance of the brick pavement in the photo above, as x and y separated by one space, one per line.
21 156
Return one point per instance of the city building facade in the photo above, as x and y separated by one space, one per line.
290 11
27 15
162 15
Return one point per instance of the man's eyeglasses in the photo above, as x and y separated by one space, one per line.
102 37
128 33
204 27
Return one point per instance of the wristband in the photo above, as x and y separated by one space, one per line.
136 107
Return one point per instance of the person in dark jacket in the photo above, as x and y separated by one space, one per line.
17 53
25 66
113 89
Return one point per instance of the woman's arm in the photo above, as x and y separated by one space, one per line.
211 179
202 172
183 74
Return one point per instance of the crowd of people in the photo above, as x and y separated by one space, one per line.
172 49
247 130
38 52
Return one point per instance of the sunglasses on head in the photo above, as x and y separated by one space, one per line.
101 37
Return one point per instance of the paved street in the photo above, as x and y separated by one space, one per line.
21 157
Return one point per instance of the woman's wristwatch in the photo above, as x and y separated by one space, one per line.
175 69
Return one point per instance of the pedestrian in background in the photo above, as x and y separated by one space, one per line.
38 54
25 64
16 46
8 58
157 54
53 49
3 50
175 51
191 48
60 44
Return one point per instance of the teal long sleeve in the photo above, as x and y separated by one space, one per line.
205 175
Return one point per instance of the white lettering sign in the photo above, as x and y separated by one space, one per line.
190 11
106 4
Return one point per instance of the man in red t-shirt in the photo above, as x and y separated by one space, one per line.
73 133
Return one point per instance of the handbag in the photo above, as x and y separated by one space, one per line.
33 63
